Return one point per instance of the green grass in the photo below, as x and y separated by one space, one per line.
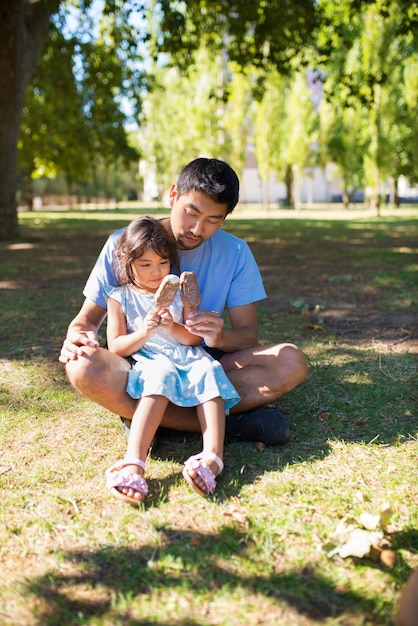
71 554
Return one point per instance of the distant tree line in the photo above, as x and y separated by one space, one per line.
205 78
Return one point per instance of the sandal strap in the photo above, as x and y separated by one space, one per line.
127 461
195 464
212 457
134 481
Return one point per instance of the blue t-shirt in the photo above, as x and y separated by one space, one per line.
225 267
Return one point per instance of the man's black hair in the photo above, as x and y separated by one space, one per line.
212 177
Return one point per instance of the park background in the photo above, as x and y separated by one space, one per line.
324 529
109 99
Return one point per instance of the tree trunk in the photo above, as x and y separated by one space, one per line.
396 198
23 29
289 186
266 197
346 194
29 192
296 187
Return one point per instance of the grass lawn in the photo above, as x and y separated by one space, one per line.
280 541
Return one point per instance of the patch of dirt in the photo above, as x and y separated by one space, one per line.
339 293
334 283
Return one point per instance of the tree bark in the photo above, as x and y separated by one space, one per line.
289 186
24 26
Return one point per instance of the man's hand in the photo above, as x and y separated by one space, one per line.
72 347
208 325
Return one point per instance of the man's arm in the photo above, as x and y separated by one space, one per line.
82 331
210 326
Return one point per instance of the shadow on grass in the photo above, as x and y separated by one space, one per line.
116 582
351 395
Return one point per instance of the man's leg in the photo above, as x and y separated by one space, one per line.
264 374
102 376
261 375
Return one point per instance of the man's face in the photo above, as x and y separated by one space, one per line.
194 218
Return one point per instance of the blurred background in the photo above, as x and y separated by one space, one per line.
104 101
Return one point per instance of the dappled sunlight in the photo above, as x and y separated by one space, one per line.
184 575
71 551
8 284
18 246
405 250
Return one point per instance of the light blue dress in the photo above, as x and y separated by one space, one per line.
186 375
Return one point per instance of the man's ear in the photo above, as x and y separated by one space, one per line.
172 195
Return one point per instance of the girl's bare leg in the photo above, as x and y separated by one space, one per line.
145 421
101 376
211 415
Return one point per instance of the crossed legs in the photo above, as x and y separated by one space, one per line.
261 375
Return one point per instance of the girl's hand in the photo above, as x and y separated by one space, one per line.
150 324
166 319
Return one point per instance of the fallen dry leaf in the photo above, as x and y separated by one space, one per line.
195 541
237 512
324 416
357 543
369 521
362 537
388 558
361 421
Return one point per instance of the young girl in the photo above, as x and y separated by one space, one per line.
169 365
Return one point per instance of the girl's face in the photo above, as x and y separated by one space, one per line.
149 270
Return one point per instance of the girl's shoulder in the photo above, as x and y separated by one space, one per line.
119 293
111 290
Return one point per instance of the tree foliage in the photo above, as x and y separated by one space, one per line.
74 114
53 135
254 33
364 49
72 118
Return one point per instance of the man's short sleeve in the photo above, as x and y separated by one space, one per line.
246 286
226 270
102 273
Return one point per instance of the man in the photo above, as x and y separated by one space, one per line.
206 192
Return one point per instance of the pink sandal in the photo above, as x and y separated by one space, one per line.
194 464
115 481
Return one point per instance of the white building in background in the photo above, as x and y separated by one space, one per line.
148 173
315 185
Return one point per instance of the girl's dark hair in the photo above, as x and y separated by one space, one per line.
142 234
212 177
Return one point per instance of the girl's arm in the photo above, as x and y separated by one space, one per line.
118 339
